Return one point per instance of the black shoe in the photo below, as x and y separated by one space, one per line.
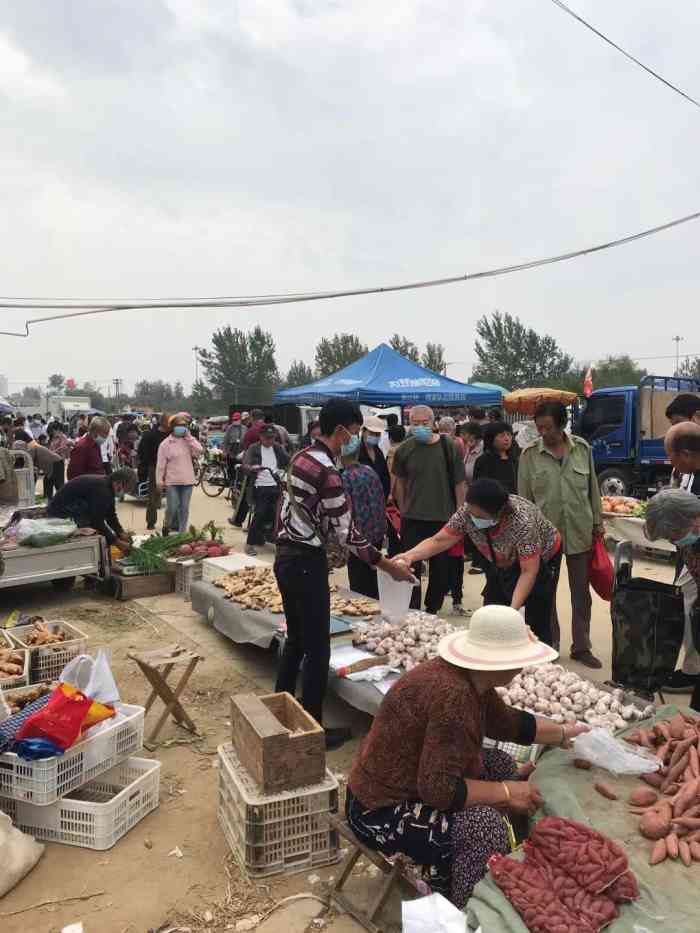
587 658
231 520
680 682
337 737
474 570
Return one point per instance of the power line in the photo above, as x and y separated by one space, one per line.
597 32
78 308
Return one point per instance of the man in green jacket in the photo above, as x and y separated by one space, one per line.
557 474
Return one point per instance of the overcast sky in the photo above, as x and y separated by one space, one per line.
210 147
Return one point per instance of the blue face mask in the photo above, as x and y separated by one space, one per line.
484 522
688 540
179 430
372 440
351 447
422 433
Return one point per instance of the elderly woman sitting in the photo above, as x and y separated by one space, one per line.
674 514
423 785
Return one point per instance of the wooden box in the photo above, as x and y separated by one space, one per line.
134 587
277 742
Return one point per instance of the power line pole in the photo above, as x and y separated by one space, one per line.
677 341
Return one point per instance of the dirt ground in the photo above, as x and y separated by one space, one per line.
139 886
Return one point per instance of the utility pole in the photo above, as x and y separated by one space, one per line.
677 341
196 363
117 390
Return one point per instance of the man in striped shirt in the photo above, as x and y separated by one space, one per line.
321 511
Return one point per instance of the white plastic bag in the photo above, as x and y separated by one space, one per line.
93 677
44 532
19 853
432 914
601 749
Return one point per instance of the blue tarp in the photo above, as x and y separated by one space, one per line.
384 377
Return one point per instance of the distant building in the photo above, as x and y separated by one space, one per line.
3 386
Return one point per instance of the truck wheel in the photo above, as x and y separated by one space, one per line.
614 482
63 584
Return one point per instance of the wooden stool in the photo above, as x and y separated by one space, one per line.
167 658
394 870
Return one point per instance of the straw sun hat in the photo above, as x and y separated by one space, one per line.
497 640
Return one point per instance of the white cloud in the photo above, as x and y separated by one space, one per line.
20 78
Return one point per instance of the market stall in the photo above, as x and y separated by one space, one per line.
668 889
79 555
624 521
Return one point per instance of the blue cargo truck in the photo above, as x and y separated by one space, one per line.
625 426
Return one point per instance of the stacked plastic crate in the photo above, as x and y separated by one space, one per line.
97 790
275 793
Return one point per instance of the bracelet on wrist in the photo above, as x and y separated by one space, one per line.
562 743
507 790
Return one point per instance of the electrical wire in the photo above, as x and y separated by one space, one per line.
597 32
80 308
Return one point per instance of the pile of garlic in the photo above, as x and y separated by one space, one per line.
550 690
405 645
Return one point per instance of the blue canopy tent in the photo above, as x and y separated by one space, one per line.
384 378
490 387
5 407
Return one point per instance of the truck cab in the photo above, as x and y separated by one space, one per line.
625 427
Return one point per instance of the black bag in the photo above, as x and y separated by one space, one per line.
648 620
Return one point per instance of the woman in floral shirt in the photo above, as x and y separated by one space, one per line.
366 494
521 548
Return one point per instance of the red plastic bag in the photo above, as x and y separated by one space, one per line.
60 721
600 570
394 518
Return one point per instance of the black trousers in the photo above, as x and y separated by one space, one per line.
456 569
539 606
55 480
264 508
413 531
302 577
362 576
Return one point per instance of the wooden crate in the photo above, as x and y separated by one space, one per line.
277 742
150 584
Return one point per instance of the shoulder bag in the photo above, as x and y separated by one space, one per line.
336 553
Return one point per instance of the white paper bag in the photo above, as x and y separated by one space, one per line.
433 914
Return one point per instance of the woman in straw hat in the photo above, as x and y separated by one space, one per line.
423 785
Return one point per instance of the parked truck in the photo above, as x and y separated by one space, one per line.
625 426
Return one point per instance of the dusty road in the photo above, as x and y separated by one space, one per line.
138 886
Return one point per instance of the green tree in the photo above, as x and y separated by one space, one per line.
336 352
202 399
56 383
616 371
299 374
241 365
179 391
690 367
30 395
516 356
433 357
405 347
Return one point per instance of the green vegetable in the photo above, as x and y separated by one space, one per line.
150 557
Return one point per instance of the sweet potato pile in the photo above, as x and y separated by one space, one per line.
670 806
571 881
42 635
11 663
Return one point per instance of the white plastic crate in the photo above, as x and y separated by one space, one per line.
47 661
272 833
96 815
521 753
42 782
186 572
8 681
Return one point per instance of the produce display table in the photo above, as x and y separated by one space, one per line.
669 897
360 694
627 528
242 626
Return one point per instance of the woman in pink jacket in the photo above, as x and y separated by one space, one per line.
175 473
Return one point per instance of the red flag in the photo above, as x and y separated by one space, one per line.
70 383
588 383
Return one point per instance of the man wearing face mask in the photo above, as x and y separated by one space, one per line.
86 456
318 518
429 486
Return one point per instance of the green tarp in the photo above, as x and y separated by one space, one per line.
670 892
